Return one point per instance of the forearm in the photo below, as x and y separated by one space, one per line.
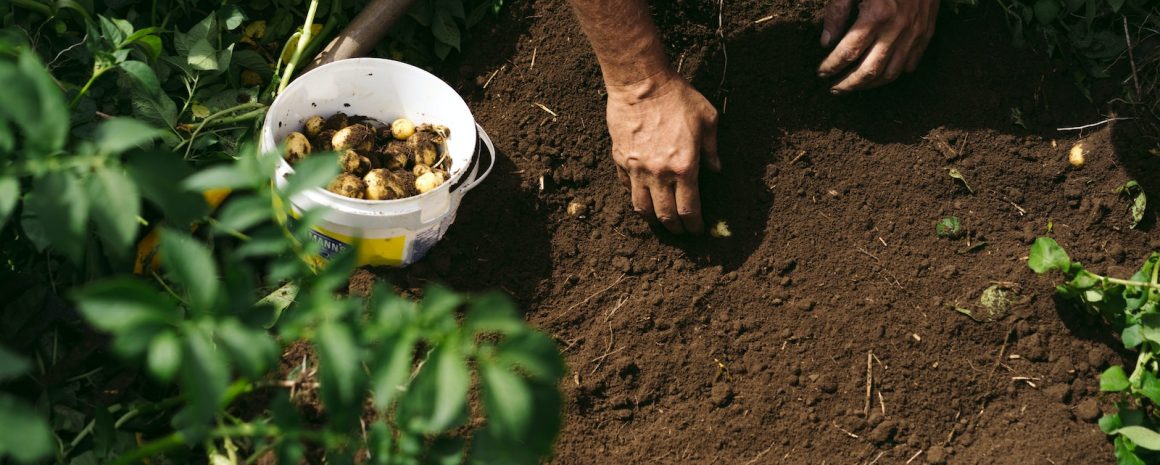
626 43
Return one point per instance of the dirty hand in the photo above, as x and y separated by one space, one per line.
888 38
661 129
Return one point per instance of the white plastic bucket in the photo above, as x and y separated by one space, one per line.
384 232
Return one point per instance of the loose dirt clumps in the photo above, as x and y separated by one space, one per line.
824 328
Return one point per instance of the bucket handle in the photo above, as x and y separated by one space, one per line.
490 148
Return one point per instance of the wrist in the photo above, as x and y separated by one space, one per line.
642 88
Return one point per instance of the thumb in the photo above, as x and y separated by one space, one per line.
837 16
709 146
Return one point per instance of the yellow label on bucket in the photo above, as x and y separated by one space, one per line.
386 251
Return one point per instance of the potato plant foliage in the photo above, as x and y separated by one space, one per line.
152 277
1131 306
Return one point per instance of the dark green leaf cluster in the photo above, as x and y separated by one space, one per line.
1131 306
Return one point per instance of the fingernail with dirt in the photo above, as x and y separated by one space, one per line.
826 39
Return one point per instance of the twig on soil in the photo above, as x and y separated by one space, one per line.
869 382
855 436
881 403
721 39
610 286
1022 212
533 65
954 425
1079 128
764 19
1026 379
489 78
915 456
880 454
1002 350
868 254
798 157
759 455
1131 57
607 352
550 112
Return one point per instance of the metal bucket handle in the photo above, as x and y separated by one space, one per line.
468 183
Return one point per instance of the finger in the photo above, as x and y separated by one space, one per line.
836 19
709 145
623 176
642 200
872 68
689 206
898 61
850 49
922 42
666 208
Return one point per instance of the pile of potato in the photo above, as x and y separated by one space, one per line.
379 162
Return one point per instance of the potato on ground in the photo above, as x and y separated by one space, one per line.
348 185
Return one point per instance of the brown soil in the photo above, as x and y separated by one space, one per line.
755 349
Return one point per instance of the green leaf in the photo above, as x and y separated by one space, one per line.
949 227
244 213
204 376
120 304
226 175
1114 379
1046 11
159 177
191 264
120 134
231 17
115 215
533 353
164 357
1116 5
435 311
252 351
1132 336
445 29
1125 452
493 312
422 12
202 56
27 437
389 375
9 195
59 201
445 450
1110 422
1139 202
149 102
1150 387
34 103
11 365
1046 255
340 373
508 401
1141 436
314 171
437 398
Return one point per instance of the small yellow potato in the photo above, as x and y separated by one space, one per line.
356 136
384 184
348 185
577 209
402 128
424 152
420 170
353 163
1076 155
720 230
297 147
428 182
396 155
314 125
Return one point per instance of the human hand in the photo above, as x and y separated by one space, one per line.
661 128
888 37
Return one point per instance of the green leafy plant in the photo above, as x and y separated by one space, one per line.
152 278
1135 193
1131 306
442 24
950 227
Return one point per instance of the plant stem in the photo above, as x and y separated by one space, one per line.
303 41
259 108
96 74
1126 282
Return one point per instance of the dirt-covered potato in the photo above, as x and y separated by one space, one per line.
297 147
420 170
396 155
423 150
428 181
439 132
321 143
402 128
383 184
336 121
314 125
356 136
348 185
353 163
